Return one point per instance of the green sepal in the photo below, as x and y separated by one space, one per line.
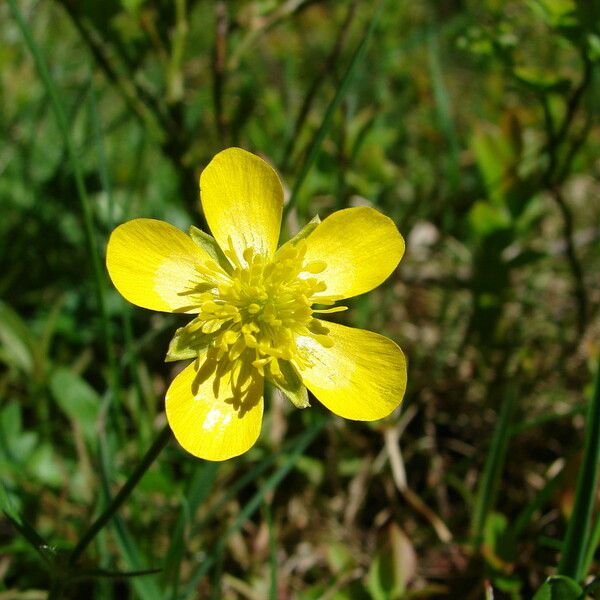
187 344
559 587
291 384
209 244
303 233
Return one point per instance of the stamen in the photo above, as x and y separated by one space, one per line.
328 311
316 266
256 312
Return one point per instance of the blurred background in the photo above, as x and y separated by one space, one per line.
473 124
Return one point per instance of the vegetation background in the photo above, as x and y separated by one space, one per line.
474 125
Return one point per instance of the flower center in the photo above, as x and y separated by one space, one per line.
252 311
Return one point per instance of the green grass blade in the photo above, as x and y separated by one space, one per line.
541 498
592 546
315 145
490 478
536 422
575 547
255 502
104 574
101 154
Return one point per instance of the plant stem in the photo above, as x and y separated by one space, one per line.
159 443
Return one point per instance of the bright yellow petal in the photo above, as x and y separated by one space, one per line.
242 198
361 248
209 427
153 264
361 377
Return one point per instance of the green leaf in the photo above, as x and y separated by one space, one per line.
132 6
17 445
45 467
556 13
339 557
209 244
392 567
291 385
16 342
526 257
559 587
494 154
78 400
486 219
542 81
593 47
498 547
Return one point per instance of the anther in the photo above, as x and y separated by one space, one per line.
315 266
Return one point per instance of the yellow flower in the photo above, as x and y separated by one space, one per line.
255 306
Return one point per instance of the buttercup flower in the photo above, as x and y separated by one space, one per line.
256 307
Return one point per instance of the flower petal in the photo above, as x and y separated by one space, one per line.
242 198
213 426
362 376
361 248
153 264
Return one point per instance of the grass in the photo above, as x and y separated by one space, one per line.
475 127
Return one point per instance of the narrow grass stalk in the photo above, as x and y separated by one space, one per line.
540 420
494 464
575 546
159 443
315 145
86 210
101 155
541 498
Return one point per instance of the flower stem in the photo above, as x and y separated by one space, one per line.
159 443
